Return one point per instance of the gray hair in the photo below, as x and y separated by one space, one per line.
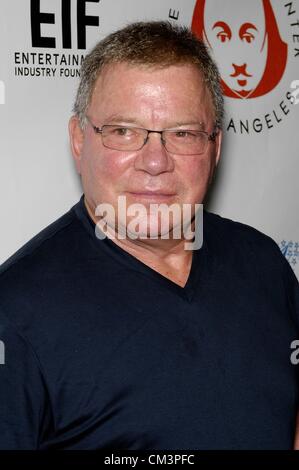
153 44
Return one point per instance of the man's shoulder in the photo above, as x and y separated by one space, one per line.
41 250
240 240
232 227
224 227
31 280
255 258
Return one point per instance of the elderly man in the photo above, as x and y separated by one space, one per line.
123 338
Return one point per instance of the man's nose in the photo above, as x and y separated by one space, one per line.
153 157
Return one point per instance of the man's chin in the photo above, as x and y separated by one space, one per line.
149 230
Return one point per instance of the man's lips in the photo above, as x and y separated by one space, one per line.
157 194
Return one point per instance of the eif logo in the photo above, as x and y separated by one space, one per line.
39 18
2 92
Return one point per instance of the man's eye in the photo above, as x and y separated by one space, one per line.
122 131
184 134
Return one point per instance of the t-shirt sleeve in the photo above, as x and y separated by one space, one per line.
22 392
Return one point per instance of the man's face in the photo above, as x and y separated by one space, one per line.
156 99
236 31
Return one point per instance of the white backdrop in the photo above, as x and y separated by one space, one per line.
257 178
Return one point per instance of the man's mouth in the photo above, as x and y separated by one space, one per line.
153 195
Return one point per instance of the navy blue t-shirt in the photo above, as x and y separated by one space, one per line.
101 351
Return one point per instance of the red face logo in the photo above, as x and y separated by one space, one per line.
246 43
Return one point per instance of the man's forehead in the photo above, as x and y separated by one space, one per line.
117 77
120 97
145 69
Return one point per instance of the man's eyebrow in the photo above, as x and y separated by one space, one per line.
117 118
190 123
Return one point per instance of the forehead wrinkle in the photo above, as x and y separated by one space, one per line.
122 119
146 110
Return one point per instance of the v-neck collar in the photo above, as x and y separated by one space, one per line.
198 265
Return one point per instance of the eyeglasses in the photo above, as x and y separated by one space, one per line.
179 141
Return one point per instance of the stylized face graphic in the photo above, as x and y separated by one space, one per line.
245 40
237 36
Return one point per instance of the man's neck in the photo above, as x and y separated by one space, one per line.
166 256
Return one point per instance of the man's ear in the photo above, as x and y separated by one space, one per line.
218 143
76 141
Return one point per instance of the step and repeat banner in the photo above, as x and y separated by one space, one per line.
256 46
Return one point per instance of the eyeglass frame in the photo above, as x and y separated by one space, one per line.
99 130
